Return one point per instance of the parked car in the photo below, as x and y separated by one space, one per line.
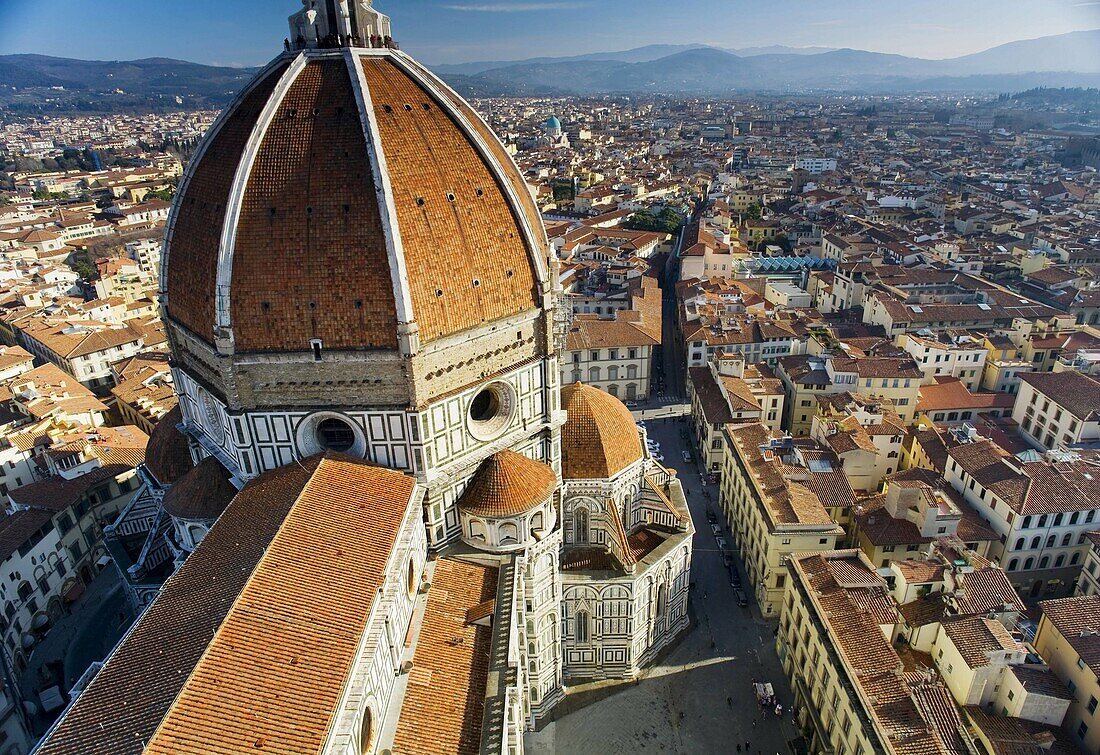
657 457
716 530
686 456
742 598
721 542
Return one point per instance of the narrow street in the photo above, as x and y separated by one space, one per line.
698 698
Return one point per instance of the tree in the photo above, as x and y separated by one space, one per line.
84 270
666 221
753 211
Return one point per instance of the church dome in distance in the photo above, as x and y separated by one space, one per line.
600 438
553 123
348 198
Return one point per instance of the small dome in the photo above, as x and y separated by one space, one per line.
600 438
507 484
167 457
201 494
553 122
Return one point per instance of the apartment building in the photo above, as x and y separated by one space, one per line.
1068 639
864 433
1004 363
1089 581
779 497
946 353
852 695
806 377
1040 506
84 350
916 507
1058 409
730 392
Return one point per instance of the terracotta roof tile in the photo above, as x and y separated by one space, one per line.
195 237
506 484
274 672
445 698
202 493
600 438
166 456
458 229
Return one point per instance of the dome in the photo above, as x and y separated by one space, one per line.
600 438
167 456
348 198
201 494
507 484
553 123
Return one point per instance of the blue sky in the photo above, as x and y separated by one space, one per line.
250 32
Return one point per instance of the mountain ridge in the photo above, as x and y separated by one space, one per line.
155 84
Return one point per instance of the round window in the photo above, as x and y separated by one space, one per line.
334 435
491 411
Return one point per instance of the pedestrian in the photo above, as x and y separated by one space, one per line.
739 748
754 723
746 745
729 701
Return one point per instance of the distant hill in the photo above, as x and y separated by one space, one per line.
37 83
635 55
107 86
1077 51
1063 60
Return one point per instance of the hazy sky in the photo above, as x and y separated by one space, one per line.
250 32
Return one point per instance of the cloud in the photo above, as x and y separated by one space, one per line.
1089 2
513 7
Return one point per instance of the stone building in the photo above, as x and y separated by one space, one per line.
379 531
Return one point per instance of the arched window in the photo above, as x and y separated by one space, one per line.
613 389
366 732
1074 558
1013 564
1029 563
1027 522
580 526
1067 538
477 530
509 534
410 578
581 626
1019 544
631 371
1035 542
576 376
662 600
1059 561
1051 539
593 374
631 390
613 373
536 522
1043 520
1044 561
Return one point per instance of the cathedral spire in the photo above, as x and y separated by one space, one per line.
339 23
